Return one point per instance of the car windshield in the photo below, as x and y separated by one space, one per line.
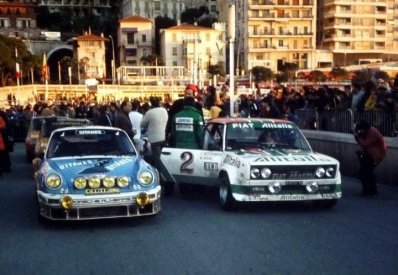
88 141
53 123
265 135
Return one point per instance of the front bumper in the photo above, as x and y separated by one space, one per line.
290 191
91 207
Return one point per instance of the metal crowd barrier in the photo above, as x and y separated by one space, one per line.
343 121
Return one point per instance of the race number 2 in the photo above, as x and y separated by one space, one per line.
187 158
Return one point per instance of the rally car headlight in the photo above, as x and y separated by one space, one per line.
145 177
123 181
254 173
265 173
330 172
53 181
109 182
320 172
80 183
94 182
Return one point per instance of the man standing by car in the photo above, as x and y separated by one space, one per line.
187 126
122 119
155 121
136 118
373 151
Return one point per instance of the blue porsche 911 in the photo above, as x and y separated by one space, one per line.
94 172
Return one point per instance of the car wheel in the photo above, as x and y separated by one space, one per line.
325 203
227 201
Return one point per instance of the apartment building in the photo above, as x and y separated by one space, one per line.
79 7
359 31
135 39
90 52
210 4
272 32
18 19
153 8
194 47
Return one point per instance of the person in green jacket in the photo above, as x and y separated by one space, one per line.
188 127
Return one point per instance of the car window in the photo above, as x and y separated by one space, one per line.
85 142
55 123
214 136
265 135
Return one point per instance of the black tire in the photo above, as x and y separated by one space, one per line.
227 201
325 204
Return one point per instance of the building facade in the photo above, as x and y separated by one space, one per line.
153 8
135 40
270 33
359 31
79 7
194 47
90 52
18 19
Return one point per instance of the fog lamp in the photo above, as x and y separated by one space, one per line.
67 202
142 199
312 187
275 187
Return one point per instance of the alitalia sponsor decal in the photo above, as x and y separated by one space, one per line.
286 158
269 125
234 161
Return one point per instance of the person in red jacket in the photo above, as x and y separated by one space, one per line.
2 142
373 150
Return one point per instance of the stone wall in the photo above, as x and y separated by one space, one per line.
343 147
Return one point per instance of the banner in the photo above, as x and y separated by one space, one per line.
44 67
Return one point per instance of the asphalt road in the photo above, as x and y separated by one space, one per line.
192 235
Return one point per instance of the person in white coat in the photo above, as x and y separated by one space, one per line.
136 118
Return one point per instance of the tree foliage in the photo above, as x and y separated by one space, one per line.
289 70
216 69
192 15
261 73
339 73
161 23
152 60
317 76
8 59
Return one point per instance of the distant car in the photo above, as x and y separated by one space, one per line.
94 172
254 159
49 124
32 137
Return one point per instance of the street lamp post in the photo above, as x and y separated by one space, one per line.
113 60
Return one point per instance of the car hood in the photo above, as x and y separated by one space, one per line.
284 157
112 166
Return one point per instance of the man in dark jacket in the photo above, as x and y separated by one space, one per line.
122 119
373 151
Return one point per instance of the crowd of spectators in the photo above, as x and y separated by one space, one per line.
278 102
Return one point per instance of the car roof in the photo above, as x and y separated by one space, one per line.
228 120
87 127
